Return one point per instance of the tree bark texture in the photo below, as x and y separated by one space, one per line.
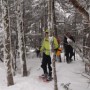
51 29
80 8
7 42
21 41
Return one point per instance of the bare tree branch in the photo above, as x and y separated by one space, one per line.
77 5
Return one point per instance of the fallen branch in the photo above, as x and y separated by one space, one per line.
66 86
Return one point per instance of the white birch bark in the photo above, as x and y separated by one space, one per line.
51 28
7 41
21 41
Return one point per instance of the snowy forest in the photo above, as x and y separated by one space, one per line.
22 30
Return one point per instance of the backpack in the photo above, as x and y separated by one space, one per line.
58 52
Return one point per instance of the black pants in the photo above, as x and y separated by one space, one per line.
46 62
69 53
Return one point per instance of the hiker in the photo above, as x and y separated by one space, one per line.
68 48
58 52
46 61
58 55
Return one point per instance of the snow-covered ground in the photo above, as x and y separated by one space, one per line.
66 73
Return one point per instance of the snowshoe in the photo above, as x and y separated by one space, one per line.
43 76
48 79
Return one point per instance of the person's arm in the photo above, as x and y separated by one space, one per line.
65 43
56 46
72 38
42 46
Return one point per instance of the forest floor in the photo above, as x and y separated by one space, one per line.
72 73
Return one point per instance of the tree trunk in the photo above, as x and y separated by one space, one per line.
51 28
7 42
54 18
80 8
21 41
45 17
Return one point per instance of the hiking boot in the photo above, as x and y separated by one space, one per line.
71 60
44 75
49 78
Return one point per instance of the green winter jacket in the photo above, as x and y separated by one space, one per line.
46 45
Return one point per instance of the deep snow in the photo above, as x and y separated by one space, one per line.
66 73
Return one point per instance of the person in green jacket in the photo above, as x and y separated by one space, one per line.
46 48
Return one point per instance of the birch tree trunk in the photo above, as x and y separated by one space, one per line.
21 41
45 17
51 28
54 18
7 41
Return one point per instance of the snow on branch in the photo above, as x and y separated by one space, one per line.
80 8
79 51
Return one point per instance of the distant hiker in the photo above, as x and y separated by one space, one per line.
68 48
58 55
58 52
46 61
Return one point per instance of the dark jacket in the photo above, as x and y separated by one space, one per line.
67 47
